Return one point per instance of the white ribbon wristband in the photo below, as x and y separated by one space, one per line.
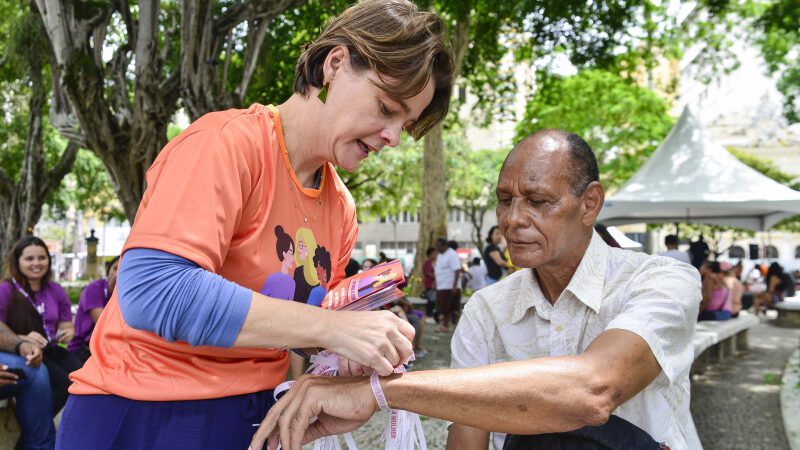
377 390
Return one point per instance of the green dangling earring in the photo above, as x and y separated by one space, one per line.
323 93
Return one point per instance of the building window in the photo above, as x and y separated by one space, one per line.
771 252
736 252
797 253
754 251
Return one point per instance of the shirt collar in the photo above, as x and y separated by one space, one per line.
586 284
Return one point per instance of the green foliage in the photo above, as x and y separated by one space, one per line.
74 294
387 183
14 132
768 168
88 187
588 33
287 35
779 39
172 131
28 45
622 122
773 379
472 176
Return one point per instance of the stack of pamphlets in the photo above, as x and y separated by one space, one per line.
367 290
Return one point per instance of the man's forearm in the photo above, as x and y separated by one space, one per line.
462 437
525 397
8 340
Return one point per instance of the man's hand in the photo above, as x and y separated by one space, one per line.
7 378
32 352
314 407
34 337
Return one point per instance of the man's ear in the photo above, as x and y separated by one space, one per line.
593 199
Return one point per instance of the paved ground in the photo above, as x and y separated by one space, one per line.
735 405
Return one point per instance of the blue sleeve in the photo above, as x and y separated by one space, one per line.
178 300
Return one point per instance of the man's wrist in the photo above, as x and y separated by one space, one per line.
18 346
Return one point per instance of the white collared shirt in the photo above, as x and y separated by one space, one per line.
655 297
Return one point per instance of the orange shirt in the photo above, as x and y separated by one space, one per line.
216 195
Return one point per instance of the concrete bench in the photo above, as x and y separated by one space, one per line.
714 340
789 312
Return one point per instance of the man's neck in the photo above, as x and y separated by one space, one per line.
554 277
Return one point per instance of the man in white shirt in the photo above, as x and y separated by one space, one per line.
477 275
671 241
586 342
448 294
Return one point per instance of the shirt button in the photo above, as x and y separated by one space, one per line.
559 328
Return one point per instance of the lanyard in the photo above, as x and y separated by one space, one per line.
40 308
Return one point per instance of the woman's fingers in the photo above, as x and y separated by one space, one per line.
382 345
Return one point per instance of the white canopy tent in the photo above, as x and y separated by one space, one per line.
624 241
692 179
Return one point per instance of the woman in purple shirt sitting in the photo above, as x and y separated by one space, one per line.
38 310
94 298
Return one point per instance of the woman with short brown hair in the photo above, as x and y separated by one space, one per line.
189 348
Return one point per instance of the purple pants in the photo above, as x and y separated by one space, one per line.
95 422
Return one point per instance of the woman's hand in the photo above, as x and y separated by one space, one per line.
66 331
349 368
8 377
339 404
34 337
31 352
378 340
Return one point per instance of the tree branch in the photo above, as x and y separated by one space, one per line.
352 185
60 170
253 9
6 185
228 56
127 17
251 56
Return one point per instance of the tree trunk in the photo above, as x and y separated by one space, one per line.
122 120
21 203
433 223
204 79
476 214
434 174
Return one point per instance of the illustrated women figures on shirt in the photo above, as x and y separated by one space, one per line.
322 264
281 284
305 275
